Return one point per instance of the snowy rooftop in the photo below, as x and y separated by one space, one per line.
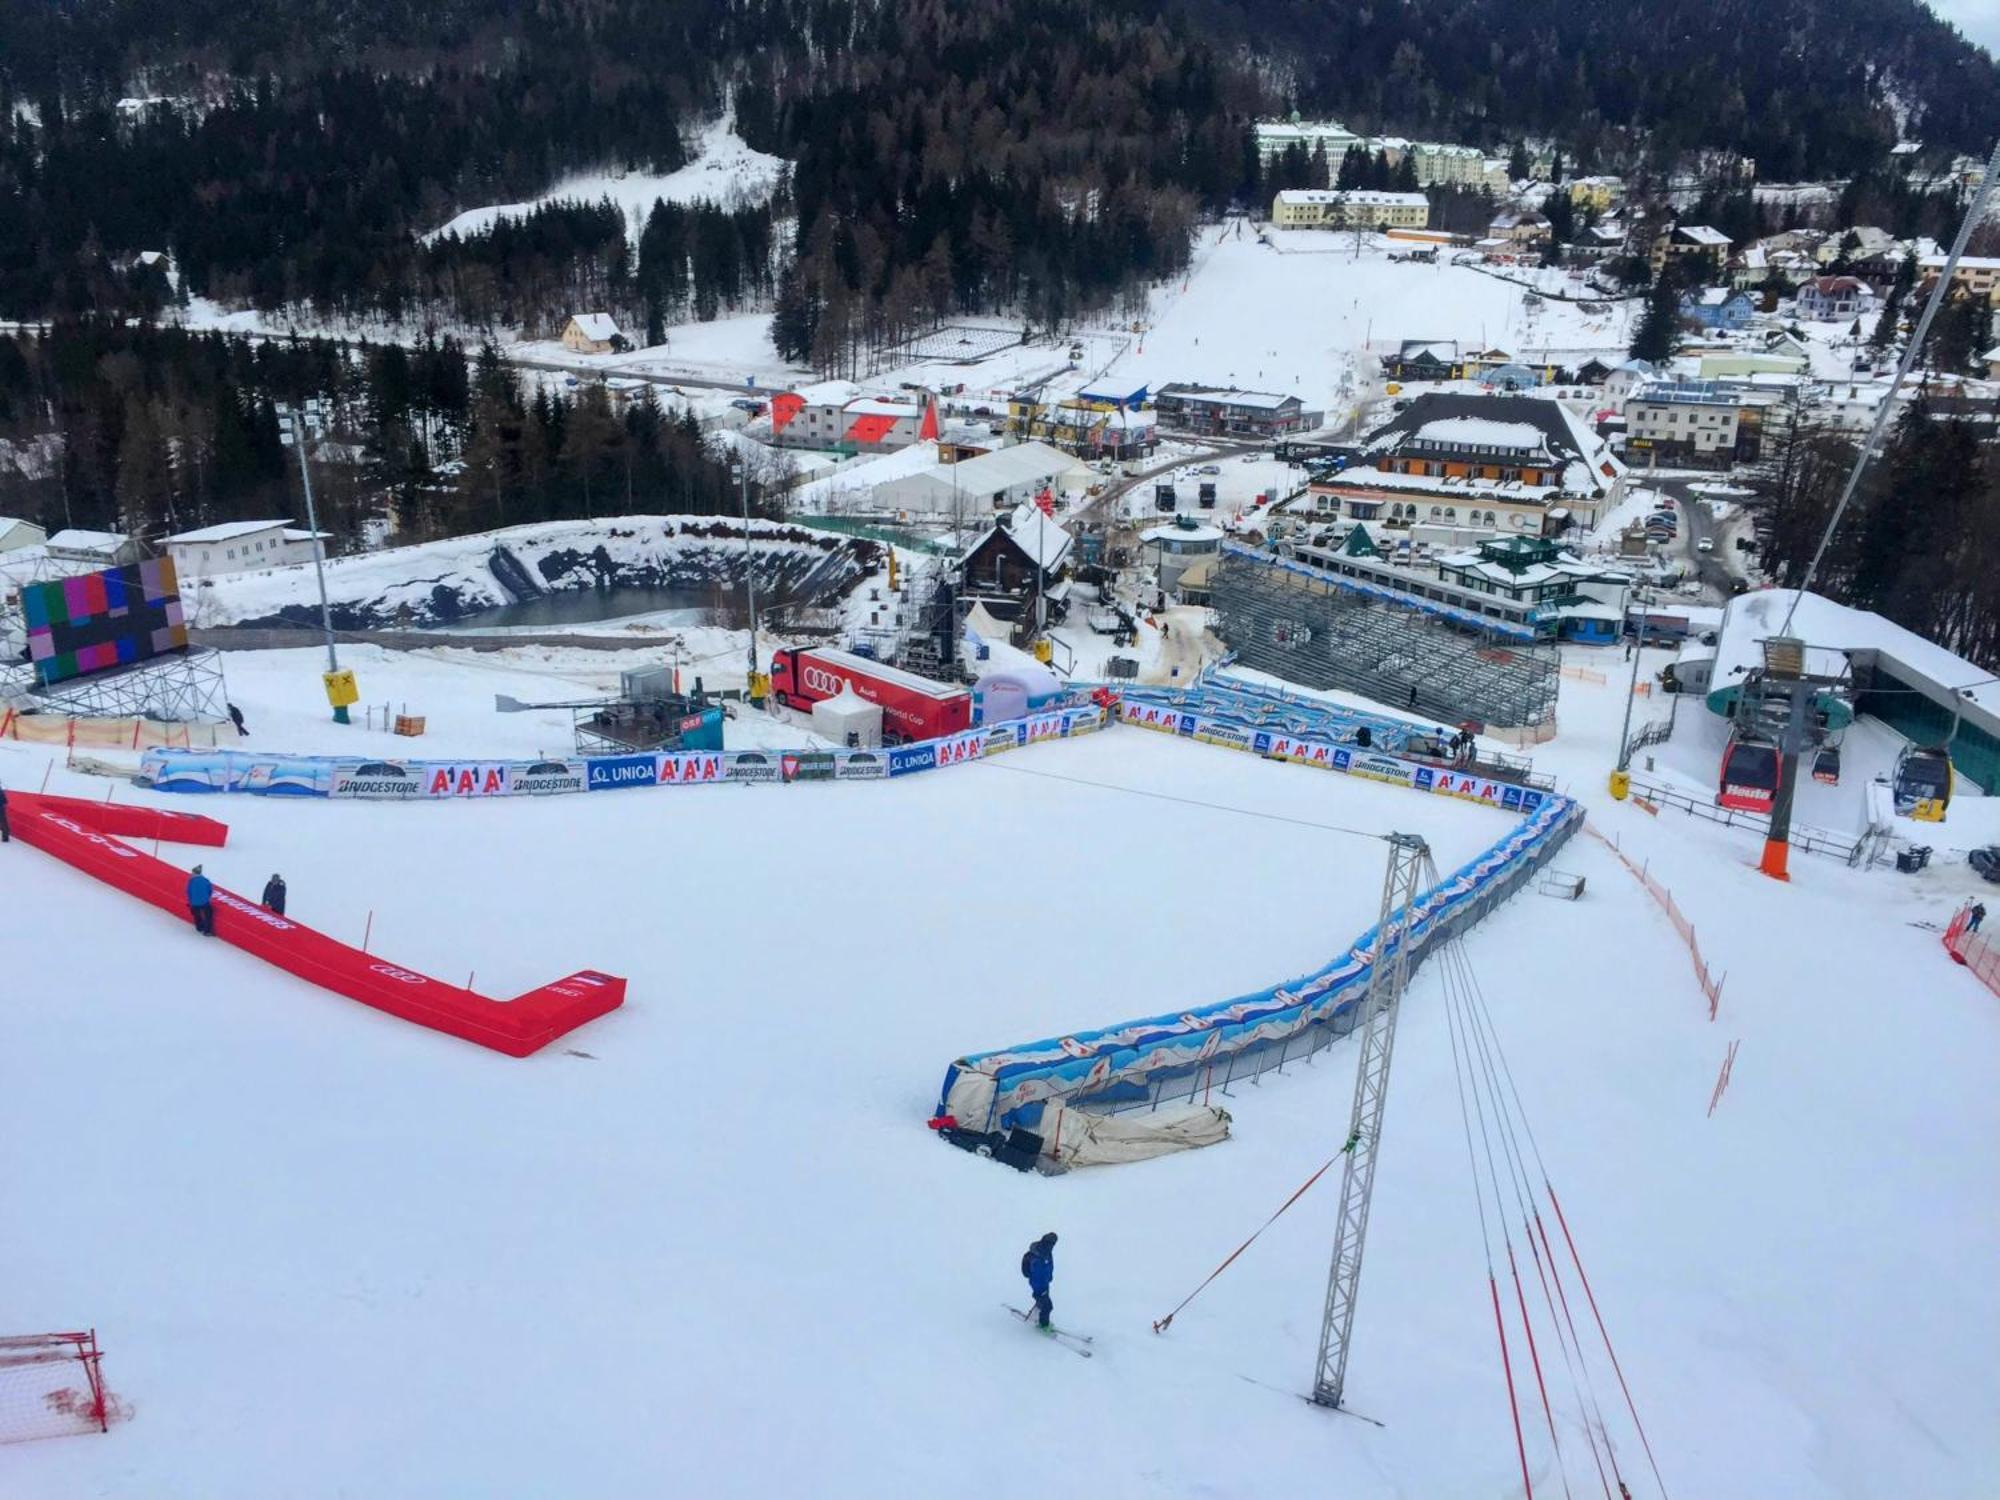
1820 622
1004 468
1702 234
596 325
1366 196
1262 400
828 393
1481 431
227 531
1046 542
75 539
875 406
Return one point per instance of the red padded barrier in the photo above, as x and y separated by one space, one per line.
82 834
129 820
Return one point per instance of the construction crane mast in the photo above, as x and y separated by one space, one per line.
1409 861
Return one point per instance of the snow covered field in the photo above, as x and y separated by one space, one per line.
711 1251
1253 316
724 171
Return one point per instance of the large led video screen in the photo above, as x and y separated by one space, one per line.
77 626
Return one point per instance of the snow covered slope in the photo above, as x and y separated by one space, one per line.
714 1253
724 171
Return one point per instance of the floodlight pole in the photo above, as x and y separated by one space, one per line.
742 479
1409 858
1632 687
319 552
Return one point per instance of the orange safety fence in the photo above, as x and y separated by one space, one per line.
1970 946
112 734
1722 1078
1711 986
1584 674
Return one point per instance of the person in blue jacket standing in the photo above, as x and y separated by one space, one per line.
1039 1266
201 902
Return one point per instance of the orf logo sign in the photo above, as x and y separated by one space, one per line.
818 679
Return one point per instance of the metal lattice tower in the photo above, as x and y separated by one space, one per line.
1311 628
1409 865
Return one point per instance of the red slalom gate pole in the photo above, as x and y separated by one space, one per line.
1535 1359
1513 1406
1604 1333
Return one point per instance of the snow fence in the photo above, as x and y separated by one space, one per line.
351 777
1178 1059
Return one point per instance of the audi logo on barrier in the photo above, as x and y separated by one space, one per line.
401 976
819 680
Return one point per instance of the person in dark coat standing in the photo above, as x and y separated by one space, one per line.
274 894
6 833
1039 1266
236 718
201 902
1972 925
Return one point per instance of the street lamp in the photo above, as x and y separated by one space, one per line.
340 688
737 473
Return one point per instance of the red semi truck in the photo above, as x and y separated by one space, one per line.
913 707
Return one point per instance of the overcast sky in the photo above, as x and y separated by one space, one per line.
1978 19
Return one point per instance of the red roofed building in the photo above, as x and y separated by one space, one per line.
834 416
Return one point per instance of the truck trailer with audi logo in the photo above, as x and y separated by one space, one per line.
913 707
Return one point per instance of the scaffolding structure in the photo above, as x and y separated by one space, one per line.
917 627
1409 866
1312 627
184 687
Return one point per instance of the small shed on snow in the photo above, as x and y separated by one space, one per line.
849 720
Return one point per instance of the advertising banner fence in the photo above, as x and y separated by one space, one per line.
1127 1065
347 777
1131 1064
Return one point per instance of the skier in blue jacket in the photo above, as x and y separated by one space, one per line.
201 902
1039 1266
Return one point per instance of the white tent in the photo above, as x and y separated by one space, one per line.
1012 692
980 622
849 720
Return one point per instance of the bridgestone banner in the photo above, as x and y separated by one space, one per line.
545 777
383 779
860 765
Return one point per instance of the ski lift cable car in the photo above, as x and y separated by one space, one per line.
1924 783
1751 771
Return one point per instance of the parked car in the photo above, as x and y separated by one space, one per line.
1706 544
1987 862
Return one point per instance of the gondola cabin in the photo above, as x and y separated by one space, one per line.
1750 773
1923 783
1826 765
